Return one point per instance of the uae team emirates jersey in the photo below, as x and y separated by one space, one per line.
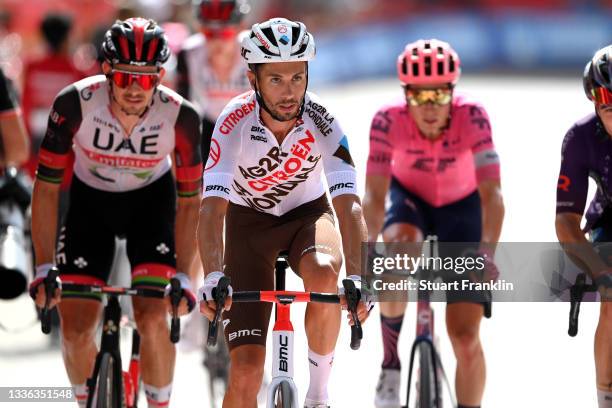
248 167
108 159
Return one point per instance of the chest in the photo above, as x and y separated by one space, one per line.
296 156
151 138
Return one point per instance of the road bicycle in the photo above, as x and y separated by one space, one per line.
109 386
429 367
282 392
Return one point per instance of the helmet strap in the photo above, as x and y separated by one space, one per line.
261 102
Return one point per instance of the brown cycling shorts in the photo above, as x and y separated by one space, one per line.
253 242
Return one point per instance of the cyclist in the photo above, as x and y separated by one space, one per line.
264 180
124 129
44 77
210 71
586 150
432 152
15 141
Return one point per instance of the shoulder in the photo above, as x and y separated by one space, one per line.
91 88
239 111
582 132
76 95
244 102
393 109
167 95
466 106
313 107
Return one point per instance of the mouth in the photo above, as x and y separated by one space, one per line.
133 99
287 107
430 121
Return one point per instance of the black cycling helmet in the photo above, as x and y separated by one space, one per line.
135 41
220 12
598 72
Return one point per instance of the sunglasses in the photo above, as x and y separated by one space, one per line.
438 96
124 79
221 33
602 96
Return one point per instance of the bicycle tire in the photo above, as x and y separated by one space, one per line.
427 398
108 396
283 396
216 362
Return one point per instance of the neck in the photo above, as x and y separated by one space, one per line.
278 128
127 122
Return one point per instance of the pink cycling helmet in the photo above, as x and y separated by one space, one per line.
428 62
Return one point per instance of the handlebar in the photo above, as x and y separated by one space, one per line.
352 295
50 283
577 291
176 294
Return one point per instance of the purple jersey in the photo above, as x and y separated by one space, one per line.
586 152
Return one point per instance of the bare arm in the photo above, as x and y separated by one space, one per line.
575 244
353 230
15 140
493 210
210 233
185 233
45 200
374 204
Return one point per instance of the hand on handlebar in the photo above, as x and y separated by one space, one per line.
38 289
604 284
206 298
365 305
187 297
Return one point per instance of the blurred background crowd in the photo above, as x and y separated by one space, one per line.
500 35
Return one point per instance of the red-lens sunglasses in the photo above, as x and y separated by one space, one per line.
602 96
124 79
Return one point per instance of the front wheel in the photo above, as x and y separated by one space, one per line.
426 385
108 389
283 396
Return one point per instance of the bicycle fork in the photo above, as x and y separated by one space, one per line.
282 356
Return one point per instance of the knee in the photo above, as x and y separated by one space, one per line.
466 344
78 323
402 233
76 335
151 323
246 376
320 273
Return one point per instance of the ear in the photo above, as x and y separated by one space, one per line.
162 73
106 68
251 77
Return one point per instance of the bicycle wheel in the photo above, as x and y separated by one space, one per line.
108 388
216 362
426 388
284 396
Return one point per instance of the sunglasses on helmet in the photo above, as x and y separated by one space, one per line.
145 80
438 96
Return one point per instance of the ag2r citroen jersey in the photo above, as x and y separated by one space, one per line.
248 167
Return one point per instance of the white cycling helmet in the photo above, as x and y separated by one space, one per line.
278 40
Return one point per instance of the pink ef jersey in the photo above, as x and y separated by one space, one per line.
442 171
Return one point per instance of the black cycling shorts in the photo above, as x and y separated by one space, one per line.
144 217
457 222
